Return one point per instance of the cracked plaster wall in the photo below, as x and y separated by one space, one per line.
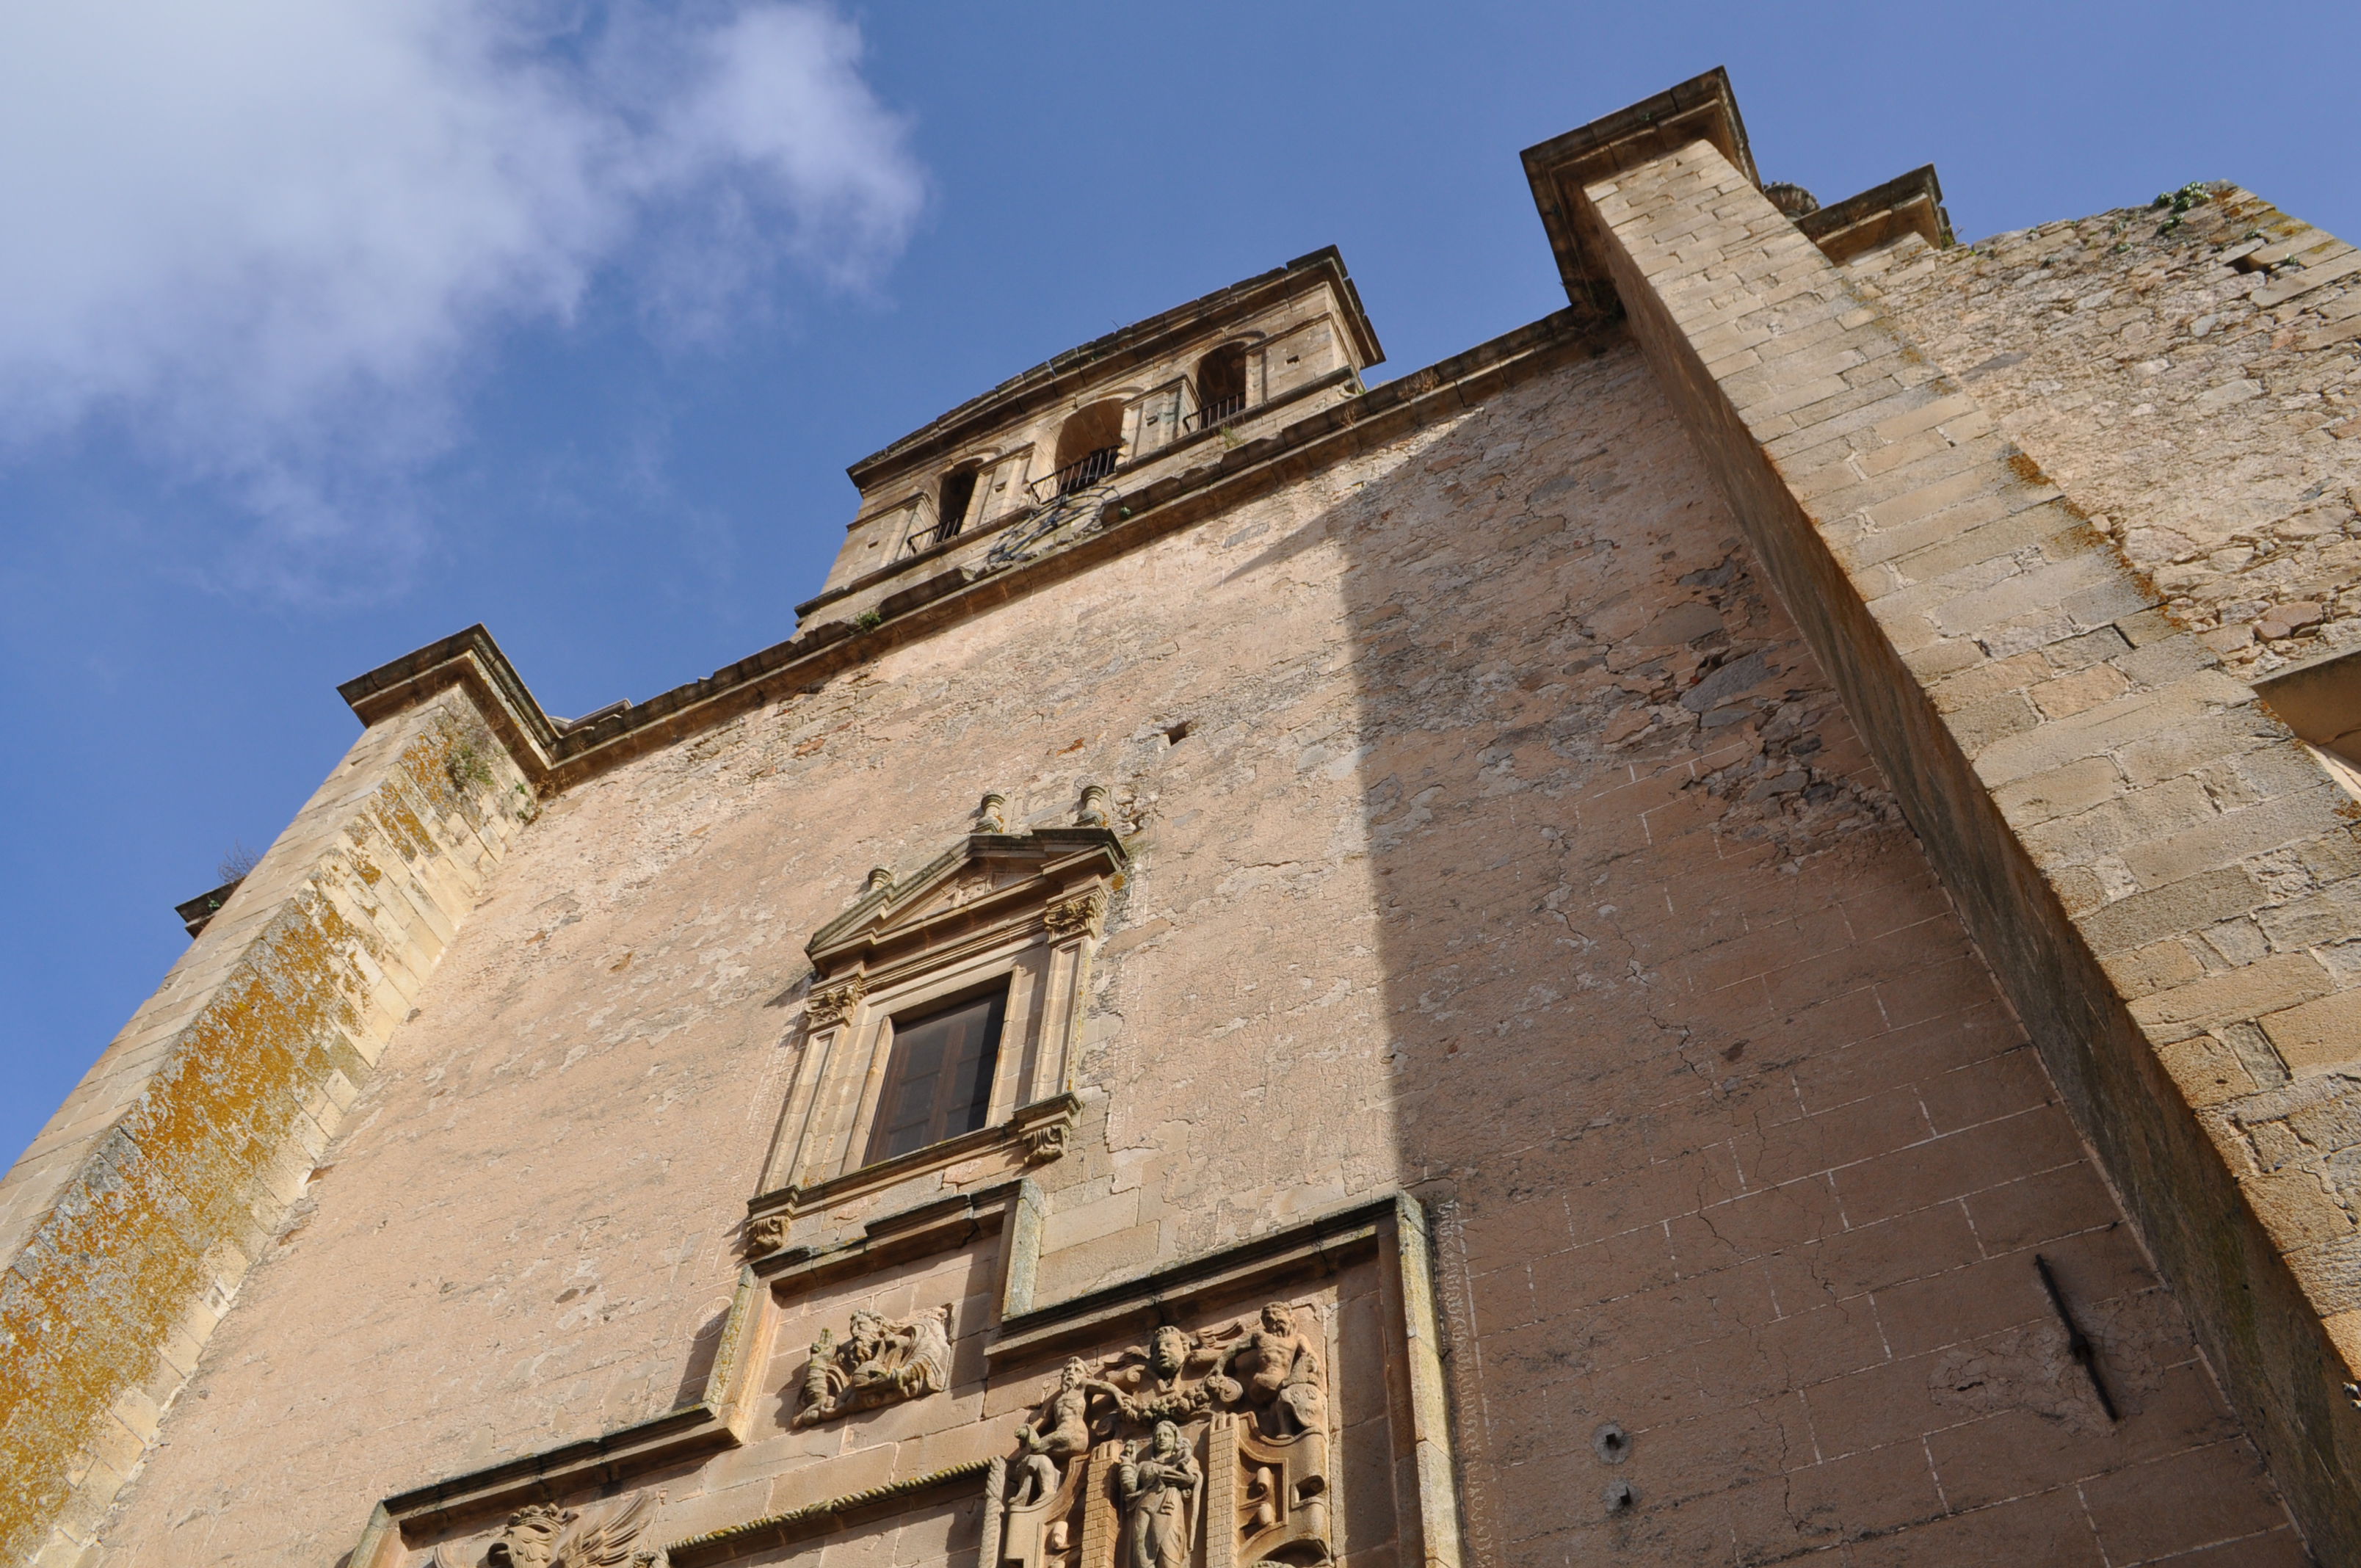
1517 852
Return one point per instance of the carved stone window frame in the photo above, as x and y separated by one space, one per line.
1023 909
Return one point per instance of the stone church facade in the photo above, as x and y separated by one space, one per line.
1724 929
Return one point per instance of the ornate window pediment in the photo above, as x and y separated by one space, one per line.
1015 915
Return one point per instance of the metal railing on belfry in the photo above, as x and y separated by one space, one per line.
926 539
1210 416
1085 470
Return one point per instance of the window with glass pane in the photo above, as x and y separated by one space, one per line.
939 1083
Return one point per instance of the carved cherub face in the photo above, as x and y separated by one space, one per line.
1168 1351
531 1539
1279 1319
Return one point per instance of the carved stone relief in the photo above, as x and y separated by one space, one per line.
541 1535
834 1004
766 1234
1073 916
1046 1142
876 1363
1189 1449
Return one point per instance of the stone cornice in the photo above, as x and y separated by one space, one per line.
1700 109
1139 343
1908 203
558 756
1163 456
472 660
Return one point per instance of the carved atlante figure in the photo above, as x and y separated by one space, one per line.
878 1363
1064 1436
1159 1500
1282 1367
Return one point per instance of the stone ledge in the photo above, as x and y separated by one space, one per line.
1905 204
784 1529
472 660
1009 1137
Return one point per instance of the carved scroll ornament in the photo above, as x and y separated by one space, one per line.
877 1362
1230 1428
1046 1142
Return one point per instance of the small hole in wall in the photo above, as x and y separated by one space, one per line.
1611 1443
1176 733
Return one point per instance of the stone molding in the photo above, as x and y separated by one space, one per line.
472 661
1390 1229
776 1531
1908 203
1021 909
624 732
1702 108
1142 342
1045 1125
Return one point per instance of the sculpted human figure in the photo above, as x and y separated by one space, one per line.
1282 1367
1158 1392
1159 1491
1049 1447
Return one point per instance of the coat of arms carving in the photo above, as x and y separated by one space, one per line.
541 1535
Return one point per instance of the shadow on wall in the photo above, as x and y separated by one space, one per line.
1729 1139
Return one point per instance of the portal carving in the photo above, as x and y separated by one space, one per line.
1221 1436
877 1362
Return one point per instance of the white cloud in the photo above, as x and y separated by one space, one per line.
268 234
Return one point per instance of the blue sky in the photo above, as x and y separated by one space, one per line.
327 330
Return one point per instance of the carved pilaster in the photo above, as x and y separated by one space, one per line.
995 1506
1221 1490
1101 1523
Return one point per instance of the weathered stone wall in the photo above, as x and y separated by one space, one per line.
130 1222
2190 374
1499 838
2107 806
